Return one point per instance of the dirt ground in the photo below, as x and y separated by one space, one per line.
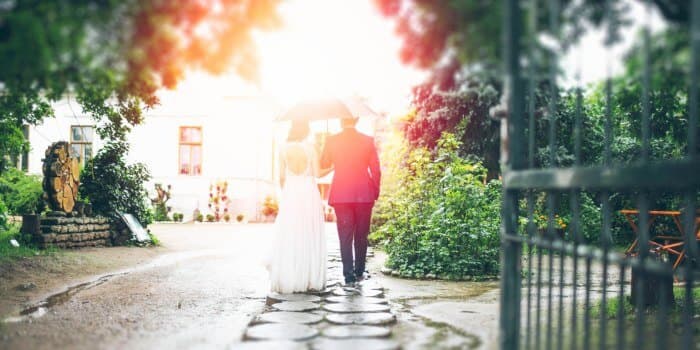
29 279
198 290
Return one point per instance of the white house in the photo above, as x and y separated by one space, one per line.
190 146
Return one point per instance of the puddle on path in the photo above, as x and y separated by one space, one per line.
40 308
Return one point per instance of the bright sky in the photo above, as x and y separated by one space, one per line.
342 48
325 48
593 61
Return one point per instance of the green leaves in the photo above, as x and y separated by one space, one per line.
443 218
21 192
111 185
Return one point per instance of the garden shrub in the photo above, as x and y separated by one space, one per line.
444 219
3 215
111 185
590 222
21 193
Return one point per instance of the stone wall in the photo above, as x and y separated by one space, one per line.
73 232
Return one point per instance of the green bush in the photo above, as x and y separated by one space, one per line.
21 193
444 219
590 216
111 185
3 215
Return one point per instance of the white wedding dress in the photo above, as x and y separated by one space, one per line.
298 259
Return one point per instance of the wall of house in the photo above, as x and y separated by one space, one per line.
237 147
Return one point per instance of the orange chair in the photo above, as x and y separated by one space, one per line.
676 245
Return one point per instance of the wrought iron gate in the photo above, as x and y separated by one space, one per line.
552 283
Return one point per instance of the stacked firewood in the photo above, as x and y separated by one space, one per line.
61 177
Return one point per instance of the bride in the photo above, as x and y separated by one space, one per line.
298 261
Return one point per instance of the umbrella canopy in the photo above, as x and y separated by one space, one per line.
331 108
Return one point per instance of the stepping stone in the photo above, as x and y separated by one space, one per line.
352 308
344 291
277 297
354 344
356 299
377 318
296 306
370 284
347 291
290 317
281 331
371 292
271 344
356 331
324 292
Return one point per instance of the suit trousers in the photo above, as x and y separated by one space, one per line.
353 220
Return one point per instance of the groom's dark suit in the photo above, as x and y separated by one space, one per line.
353 191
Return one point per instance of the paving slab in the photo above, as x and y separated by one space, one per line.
270 344
296 306
290 317
356 299
281 331
277 297
347 291
355 344
376 318
355 308
356 331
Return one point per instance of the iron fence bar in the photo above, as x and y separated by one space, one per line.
576 231
621 311
667 175
606 241
646 85
690 204
691 260
587 305
553 16
509 330
530 233
550 267
605 195
575 211
641 276
532 85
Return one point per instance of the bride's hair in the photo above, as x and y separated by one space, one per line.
299 131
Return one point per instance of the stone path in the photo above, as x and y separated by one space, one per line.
336 318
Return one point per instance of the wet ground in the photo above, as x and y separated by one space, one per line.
203 287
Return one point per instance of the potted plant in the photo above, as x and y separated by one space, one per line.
227 217
199 217
210 218
270 208
240 217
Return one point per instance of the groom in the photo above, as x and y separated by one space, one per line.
354 189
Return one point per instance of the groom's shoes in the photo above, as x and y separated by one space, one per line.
362 276
350 282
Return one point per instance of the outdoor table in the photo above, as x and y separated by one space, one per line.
666 245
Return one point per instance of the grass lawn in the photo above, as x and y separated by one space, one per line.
9 253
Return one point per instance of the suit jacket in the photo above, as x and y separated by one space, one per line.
356 164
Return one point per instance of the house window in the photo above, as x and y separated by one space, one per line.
81 142
190 151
